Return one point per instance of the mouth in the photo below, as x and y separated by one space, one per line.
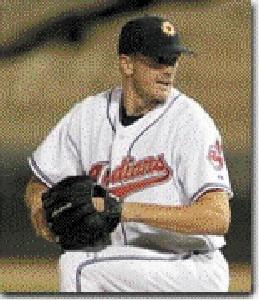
165 83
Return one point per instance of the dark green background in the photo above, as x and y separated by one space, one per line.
17 237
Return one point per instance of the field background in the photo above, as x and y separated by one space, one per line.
40 275
40 84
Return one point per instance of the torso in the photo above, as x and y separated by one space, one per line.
141 162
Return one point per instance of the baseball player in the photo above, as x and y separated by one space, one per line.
132 182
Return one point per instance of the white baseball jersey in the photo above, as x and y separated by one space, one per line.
170 156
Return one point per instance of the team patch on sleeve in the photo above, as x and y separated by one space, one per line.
215 156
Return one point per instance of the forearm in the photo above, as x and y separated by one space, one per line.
33 194
197 218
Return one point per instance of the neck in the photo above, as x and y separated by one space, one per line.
134 104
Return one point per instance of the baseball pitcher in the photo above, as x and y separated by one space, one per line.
132 182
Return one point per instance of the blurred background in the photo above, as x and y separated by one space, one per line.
54 53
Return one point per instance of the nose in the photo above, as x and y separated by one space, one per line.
167 70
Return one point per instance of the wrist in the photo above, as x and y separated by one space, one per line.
124 212
128 212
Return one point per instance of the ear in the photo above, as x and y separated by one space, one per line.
176 65
126 65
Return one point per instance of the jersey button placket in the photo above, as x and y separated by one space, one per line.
119 149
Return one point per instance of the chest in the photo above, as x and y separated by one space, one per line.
136 160
142 140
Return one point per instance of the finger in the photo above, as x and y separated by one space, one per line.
98 204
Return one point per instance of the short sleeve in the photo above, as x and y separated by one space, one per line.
58 156
201 163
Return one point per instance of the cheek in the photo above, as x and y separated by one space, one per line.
145 77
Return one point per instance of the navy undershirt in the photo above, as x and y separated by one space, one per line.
128 120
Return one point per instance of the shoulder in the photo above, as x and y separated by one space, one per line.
92 111
192 114
96 104
94 101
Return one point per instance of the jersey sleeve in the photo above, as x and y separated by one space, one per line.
201 163
58 156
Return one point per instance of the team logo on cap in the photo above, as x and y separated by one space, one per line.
168 28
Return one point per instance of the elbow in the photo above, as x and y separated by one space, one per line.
224 227
222 224
218 213
227 221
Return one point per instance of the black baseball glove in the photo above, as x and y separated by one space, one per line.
72 217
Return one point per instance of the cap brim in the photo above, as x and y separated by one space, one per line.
169 54
182 50
174 51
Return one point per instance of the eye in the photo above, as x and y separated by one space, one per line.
155 63
163 61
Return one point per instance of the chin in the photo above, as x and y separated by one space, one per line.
162 95
161 98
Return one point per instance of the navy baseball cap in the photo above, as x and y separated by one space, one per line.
151 36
